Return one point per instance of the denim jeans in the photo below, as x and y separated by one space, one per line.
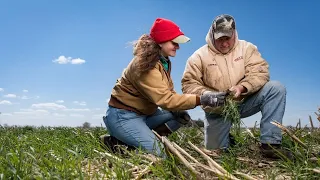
270 100
136 130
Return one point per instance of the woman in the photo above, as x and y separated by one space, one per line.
145 86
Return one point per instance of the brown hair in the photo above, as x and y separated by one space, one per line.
146 54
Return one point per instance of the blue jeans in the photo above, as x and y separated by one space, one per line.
270 100
136 130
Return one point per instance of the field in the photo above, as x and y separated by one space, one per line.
75 153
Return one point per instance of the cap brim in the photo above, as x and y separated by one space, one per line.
181 39
218 35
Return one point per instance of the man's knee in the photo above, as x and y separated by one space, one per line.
276 87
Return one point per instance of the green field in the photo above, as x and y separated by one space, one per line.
75 153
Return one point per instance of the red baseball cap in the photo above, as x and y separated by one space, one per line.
164 30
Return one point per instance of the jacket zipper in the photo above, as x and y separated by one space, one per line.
225 60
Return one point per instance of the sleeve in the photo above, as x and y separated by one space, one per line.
153 87
256 70
192 80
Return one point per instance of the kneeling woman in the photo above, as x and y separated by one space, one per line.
145 86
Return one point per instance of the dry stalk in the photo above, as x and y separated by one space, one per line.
254 127
184 152
211 165
318 115
210 153
289 133
216 171
299 123
245 160
149 157
133 169
311 123
197 163
245 175
215 165
116 158
168 144
144 171
316 170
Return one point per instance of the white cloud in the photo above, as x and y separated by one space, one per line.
58 115
52 106
82 103
77 110
77 61
37 112
60 101
25 91
34 110
1 89
5 102
10 96
66 60
62 60
26 110
6 114
25 97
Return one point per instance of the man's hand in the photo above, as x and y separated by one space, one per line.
182 117
237 90
213 99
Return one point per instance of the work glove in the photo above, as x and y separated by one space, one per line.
213 99
182 117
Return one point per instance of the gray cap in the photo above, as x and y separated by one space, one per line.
223 25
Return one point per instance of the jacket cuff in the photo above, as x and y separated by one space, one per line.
248 86
198 101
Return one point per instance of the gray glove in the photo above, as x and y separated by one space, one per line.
213 99
182 117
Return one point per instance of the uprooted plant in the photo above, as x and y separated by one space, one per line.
231 113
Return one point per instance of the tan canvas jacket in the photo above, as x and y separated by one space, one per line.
146 93
208 69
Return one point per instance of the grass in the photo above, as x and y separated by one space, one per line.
231 113
75 153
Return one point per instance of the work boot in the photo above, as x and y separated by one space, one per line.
113 144
275 151
163 130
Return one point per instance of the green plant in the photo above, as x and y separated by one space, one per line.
231 113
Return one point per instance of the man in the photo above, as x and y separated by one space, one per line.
227 64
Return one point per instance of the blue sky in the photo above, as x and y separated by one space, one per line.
92 37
